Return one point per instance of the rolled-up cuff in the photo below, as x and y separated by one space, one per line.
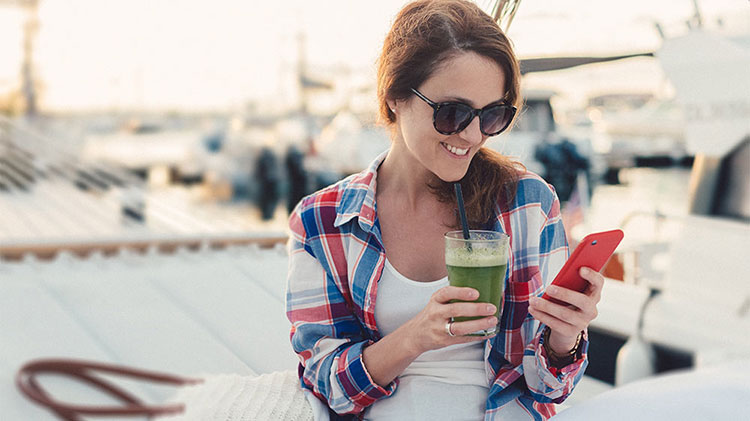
356 381
555 377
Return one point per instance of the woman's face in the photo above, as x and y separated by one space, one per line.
466 77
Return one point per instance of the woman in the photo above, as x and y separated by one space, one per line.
367 289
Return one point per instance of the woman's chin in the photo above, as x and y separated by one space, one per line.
451 176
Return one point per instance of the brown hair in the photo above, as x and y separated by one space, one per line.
424 34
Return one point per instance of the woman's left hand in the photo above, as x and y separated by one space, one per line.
567 321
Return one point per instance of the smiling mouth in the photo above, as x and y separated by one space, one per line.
454 150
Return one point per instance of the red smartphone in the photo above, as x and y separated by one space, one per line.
593 252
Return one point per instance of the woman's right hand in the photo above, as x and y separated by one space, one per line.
427 330
387 358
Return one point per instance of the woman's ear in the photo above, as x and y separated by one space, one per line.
391 106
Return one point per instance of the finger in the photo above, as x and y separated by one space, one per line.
574 298
560 326
446 294
565 313
595 280
471 326
466 338
582 311
467 310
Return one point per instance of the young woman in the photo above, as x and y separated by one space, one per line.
368 296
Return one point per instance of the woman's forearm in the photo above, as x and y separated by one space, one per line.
387 358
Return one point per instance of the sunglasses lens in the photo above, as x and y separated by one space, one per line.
496 119
451 118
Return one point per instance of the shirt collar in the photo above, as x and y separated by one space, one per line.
358 197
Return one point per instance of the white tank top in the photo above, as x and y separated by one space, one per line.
444 384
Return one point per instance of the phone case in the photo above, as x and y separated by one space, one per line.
593 252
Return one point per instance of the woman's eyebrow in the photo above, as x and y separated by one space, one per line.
459 99
470 102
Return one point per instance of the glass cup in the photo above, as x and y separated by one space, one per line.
480 263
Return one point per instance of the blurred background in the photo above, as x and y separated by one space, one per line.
195 127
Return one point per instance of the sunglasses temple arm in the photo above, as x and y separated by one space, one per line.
424 98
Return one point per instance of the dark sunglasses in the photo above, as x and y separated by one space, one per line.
452 117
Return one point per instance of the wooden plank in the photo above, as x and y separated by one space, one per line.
35 325
270 272
15 217
231 303
96 214
136 321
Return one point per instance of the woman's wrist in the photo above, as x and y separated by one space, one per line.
564 352
560 344
387 358
408 340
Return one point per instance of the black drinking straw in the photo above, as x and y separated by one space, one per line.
462 211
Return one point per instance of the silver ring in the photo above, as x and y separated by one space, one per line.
448 325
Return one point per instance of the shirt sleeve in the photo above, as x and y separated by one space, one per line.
325 333
548 384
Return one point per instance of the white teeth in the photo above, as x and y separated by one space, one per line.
456 150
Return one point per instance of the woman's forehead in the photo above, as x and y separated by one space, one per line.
466 77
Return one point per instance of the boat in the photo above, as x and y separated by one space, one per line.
676 316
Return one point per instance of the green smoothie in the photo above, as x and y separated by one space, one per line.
481 266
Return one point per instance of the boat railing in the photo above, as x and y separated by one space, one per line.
162 244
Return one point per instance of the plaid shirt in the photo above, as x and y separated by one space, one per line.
336 258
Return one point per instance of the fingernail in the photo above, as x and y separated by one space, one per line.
492 321
552 289
585 271
490 308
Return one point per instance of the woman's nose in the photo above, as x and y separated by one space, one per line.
472 132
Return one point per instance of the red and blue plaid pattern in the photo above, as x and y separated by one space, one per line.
336 259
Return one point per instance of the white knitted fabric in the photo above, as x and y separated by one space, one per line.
273 396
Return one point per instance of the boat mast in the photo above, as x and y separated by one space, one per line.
30 28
